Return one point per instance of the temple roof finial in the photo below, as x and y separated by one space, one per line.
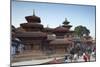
66 22
33 12
65 19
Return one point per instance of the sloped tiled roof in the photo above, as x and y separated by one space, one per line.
31 34
61 41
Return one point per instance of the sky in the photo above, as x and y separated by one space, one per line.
53 14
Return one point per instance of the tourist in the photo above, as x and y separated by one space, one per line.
85 58
66 59
89 49
75 58
94 49
88 56
71 57
93 54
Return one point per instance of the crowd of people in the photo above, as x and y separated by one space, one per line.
86 54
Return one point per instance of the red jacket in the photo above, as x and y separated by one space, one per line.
85 58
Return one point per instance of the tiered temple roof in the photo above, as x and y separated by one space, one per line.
33 18
60 29
32 28
66 24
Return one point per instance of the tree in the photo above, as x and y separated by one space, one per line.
86 31
81 30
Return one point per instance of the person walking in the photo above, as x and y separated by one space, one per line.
75 58
66 59
85 58
88 56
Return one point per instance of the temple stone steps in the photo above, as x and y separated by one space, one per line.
34 55
29 55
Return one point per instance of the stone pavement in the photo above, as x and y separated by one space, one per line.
52 60
35 62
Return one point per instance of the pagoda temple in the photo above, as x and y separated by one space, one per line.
39 40
64 38
32 36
